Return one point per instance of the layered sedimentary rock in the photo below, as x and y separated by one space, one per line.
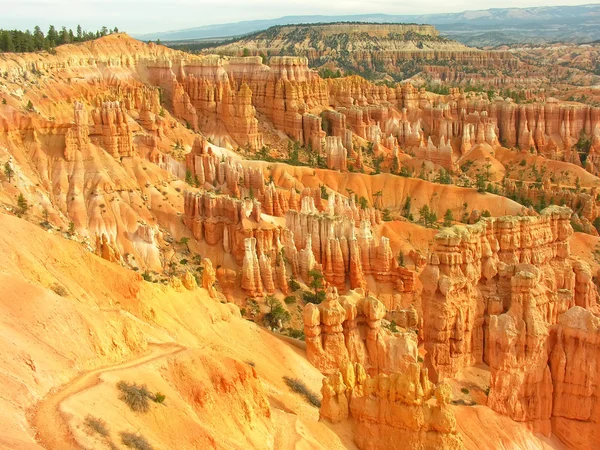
335 153
341 241
111 129
210 90
499 292
521 384
348 330
575 352
77 139
209 277
469 275
107 249
541 366
310 239
392 410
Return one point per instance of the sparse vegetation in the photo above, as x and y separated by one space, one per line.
401 259
448 218
8 171
159 397
22 206
135 396
135 441
59 289
464 391
293 284
428 217
277 315
299 387
96 425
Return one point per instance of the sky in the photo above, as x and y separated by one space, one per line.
146 16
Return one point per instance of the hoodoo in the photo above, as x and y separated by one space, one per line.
338 235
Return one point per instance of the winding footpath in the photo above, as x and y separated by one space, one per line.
52 428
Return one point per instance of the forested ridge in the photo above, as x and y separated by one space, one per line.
27 41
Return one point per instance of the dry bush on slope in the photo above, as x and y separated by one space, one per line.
299 387
97 425
135 441
135 396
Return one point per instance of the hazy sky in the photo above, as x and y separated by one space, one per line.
145 16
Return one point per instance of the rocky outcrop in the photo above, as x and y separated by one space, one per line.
521 384
542 371
77 139
575 351
188 281
111 129
251 279
106 249
506 291
209 277
348 330
391 409
335 153
469 274
341 241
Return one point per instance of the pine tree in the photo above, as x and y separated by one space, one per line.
6 42
22 206
424 214
79 33
52 36
448 218
38 38
8 171
401 259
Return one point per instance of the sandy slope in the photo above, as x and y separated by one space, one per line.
106 327
51 427
484 429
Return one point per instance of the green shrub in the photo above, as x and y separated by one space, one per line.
294 285
289 300
135 396
277 315
159 397
299 387
310 297
135 441
296 334
146 276
96 425
464 390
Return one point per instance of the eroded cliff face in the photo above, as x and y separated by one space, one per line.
133 149
349 331
496 293
575 375
391 410
379 49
